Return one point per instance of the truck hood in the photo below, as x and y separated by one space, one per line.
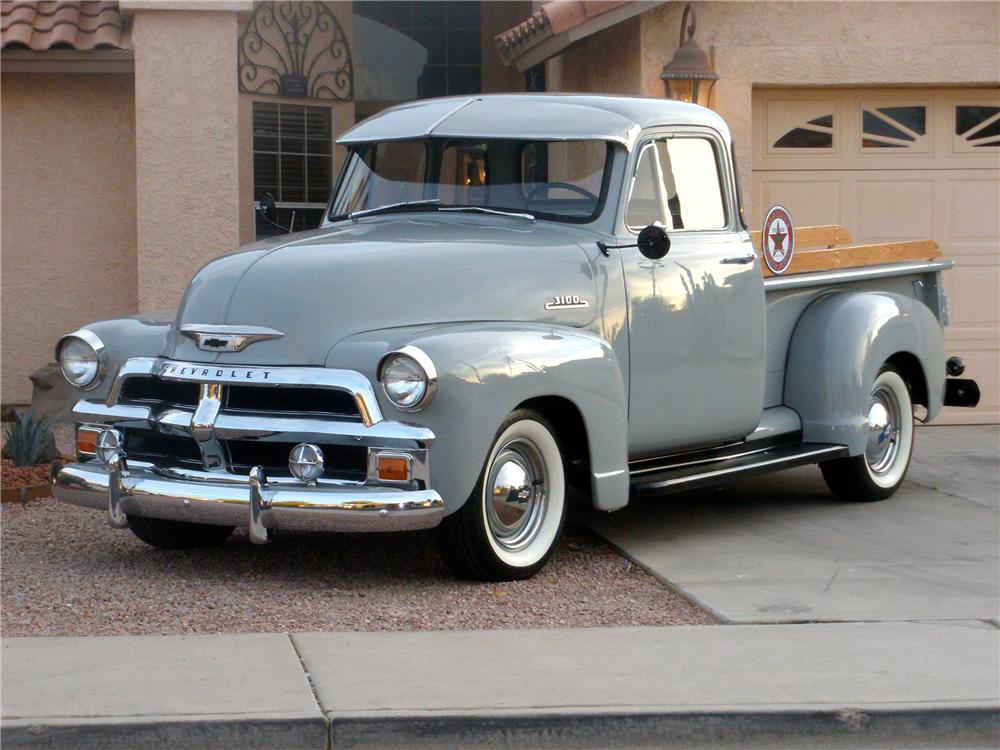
385 272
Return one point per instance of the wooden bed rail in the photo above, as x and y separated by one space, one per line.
828 248
825 236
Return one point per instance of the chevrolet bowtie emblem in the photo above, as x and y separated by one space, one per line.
227 338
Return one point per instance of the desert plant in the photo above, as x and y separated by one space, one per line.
25 438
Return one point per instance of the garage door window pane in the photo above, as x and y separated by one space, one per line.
802 138
816 133
914 118
978 125
677 185
893 127
968 117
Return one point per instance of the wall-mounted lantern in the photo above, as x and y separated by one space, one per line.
689 77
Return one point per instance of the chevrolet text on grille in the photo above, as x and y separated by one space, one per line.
178 371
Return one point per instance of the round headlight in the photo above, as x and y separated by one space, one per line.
408 378
80 358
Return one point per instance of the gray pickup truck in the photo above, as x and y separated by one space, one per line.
510 296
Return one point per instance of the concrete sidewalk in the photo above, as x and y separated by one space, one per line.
909 684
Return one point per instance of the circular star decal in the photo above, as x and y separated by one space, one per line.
777 239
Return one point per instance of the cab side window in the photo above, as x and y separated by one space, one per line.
677 184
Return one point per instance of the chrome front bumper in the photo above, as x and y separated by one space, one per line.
219 496
231 500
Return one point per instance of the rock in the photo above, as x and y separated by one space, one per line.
51 395
50 452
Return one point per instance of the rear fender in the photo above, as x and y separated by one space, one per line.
838 346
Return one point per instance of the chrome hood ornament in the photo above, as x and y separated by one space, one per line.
225 338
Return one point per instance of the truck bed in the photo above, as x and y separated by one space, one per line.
826 261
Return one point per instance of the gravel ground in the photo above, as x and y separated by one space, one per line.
65 572
21 476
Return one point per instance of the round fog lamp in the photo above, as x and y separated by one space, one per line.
109 446
306 462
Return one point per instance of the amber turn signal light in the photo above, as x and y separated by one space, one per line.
393 468
86 441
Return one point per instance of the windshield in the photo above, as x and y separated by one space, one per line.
558 180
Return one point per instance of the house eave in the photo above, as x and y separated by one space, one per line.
546 45
21 60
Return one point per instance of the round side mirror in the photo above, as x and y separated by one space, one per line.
267 207
654 242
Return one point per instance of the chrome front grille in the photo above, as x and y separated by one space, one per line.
212 420
344 462
169 449
160 449
149 389
291 400
244 399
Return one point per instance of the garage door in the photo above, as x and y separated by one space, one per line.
898 165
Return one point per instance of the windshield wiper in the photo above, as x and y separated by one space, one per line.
484 210
355 215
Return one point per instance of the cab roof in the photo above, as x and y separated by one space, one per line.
562 117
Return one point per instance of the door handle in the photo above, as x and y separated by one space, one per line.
740 259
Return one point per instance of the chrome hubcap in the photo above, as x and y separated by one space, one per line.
883 430
515 494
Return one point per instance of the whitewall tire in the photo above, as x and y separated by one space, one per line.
879 471
509 526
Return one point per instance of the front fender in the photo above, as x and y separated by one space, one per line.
838 346
485 370
135 336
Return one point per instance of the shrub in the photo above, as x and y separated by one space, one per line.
25 438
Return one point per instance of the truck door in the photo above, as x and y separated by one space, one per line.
696 316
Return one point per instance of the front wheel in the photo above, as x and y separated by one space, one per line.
877 473
508 527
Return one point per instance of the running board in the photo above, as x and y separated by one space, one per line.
680 478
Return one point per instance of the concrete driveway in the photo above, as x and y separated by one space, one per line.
783 549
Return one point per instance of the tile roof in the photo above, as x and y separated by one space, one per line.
551 19
51 24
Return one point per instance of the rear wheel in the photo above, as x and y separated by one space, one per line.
509 526
165 534
877 473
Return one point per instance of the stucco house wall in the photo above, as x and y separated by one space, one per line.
68 213
608 63
187 147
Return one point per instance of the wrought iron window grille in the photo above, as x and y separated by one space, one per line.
297 50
